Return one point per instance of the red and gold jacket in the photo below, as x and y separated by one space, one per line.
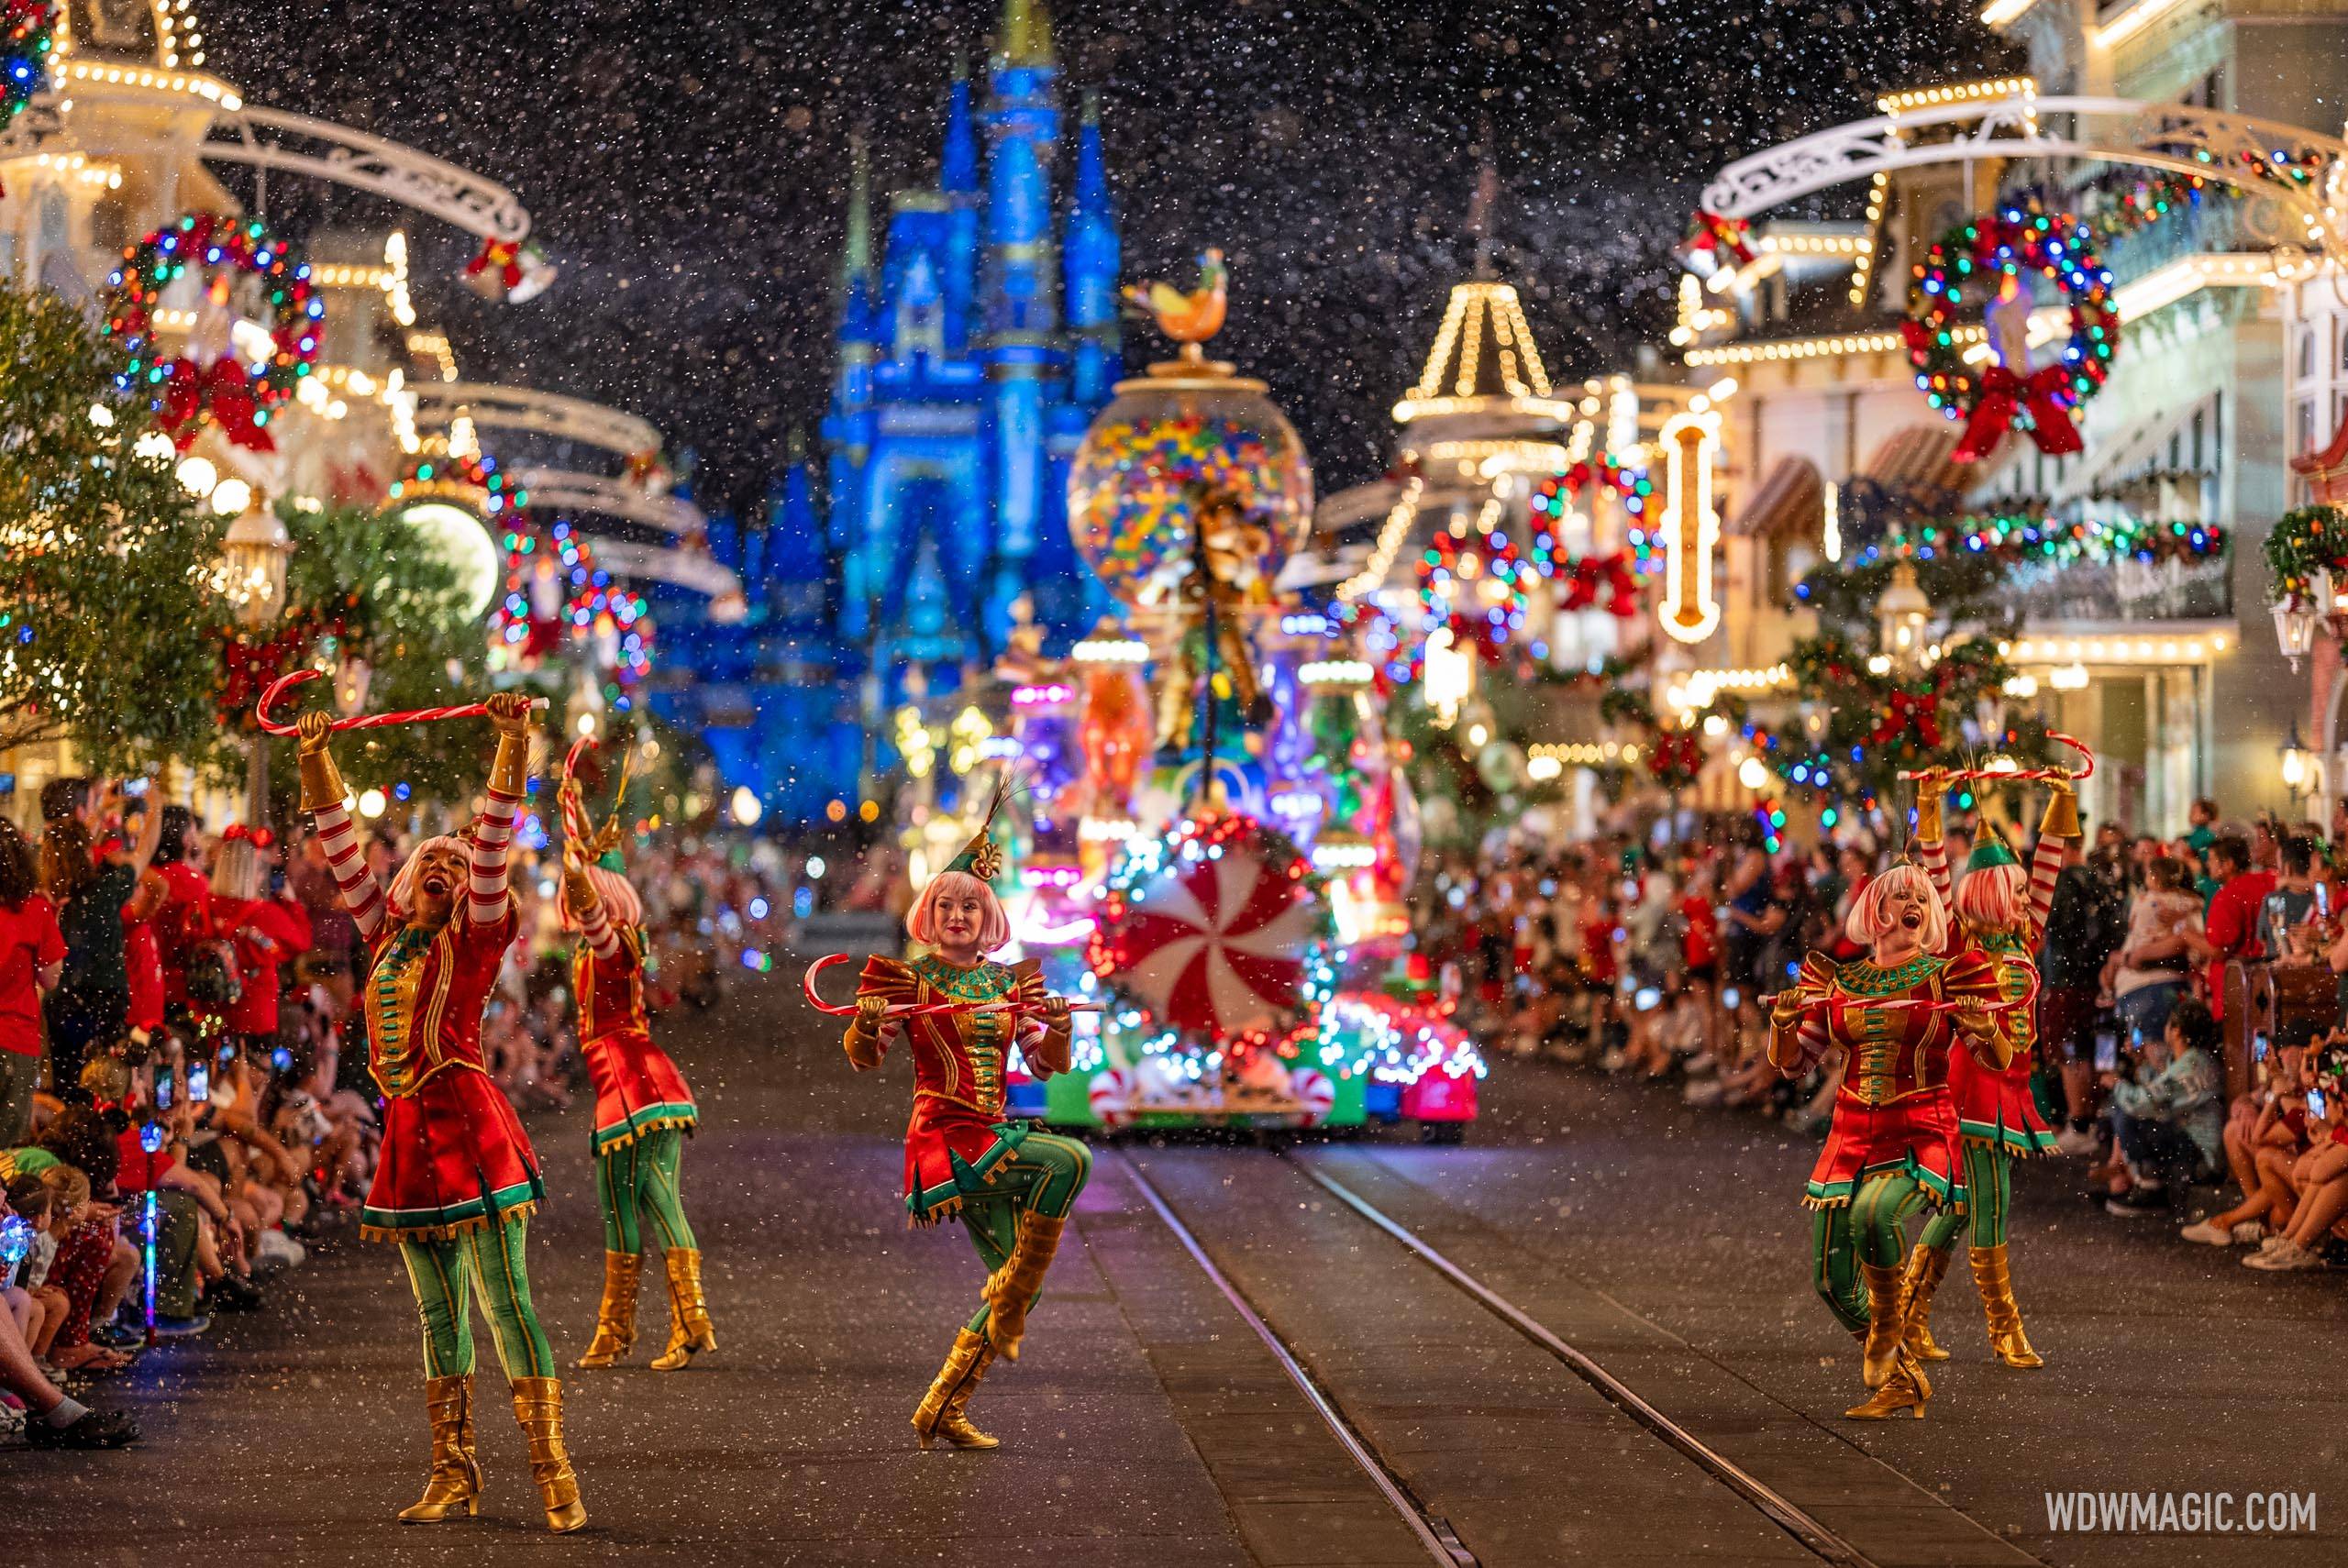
1895 1053
959 1059
638 1090
424 995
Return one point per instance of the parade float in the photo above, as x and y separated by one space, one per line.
1217 836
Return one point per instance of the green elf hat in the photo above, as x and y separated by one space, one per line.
1990 851
982 857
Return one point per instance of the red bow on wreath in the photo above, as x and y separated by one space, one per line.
225 392
1607 580
2002 392
505 256
1722 235
260 837
1906 712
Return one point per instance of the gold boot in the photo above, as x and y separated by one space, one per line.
1906 1389
690 1331
1013 1287
1881 1339
1917 1283
2007 1341
615 1318
537 1405
941 1414
453 1489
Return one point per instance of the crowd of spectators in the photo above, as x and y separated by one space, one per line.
185 1108
1652 956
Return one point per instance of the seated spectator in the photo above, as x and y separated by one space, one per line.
2319 1176
2150 971
51 1419
2265 1133
2165 1114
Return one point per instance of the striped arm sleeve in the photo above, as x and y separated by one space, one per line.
2046 866
595 924
361 895
492 836
1933 854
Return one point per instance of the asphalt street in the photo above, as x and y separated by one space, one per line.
1149 1424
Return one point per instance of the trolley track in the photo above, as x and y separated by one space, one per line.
1433 1531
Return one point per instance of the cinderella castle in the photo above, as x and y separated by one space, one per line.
971 359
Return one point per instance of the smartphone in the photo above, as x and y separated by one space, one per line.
2315 1104
2322 902
133 787
282 1059
2107 1050
1731 996
1648 999
199 1083
2258 1046
163 1087
227 1054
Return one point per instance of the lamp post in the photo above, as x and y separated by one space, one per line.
1901 616
254 556
2302 769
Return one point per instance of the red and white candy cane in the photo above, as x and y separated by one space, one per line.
284 683
921 1010
2013 776
1942 1004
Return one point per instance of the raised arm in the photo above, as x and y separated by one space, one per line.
489 897
1798 1036
322 796
2056 831
595 919
150 834
1931 851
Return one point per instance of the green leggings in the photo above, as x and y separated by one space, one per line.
1989 1181
641 1178
1044 1176
491 1261
1866 1230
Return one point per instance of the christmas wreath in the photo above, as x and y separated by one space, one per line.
1476 586
554 589
1982 263
27 33
473 482
239 390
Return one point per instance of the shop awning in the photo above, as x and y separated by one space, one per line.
1917 459
1790 501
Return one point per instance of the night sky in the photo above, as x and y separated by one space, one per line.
687 168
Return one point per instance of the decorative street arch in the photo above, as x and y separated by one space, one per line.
2304 173
560 490
539 412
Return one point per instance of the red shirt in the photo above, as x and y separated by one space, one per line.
267 933
29 943
184 919
1598 946
1702 945
138 1170
2231 926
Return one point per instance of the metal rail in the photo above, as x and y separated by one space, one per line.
1773 1505
1433 1534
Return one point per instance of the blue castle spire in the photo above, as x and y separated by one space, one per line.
1093 259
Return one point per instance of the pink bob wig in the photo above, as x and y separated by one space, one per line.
921 922
1870 920
403 879
1993 898
621 905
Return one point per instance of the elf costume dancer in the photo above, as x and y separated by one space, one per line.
458 1179
643 1109
1012 1188
2004 915
1897 1013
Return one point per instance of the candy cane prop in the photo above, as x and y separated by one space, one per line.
2016 776
920 1010
1942 1004
284 683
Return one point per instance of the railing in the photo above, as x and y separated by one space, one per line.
2131 590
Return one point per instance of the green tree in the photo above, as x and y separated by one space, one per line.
107 597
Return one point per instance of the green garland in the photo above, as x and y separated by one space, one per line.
2303 543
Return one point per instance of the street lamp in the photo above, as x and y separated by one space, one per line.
2302 769
254 556
1901 615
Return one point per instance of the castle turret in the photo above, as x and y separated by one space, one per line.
958 182
848 426
1095 258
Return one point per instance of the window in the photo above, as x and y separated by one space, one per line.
2307 352
2200 418
2303 425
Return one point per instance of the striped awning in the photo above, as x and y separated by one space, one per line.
1791 501
1917 459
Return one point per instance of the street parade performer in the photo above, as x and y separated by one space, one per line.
643 1109
1012 1188
1896 1014
2004 915
456 1180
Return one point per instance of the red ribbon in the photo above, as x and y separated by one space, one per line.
223 391
260 837
2003 394
504 255
1905 712
1724 236
1607 580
